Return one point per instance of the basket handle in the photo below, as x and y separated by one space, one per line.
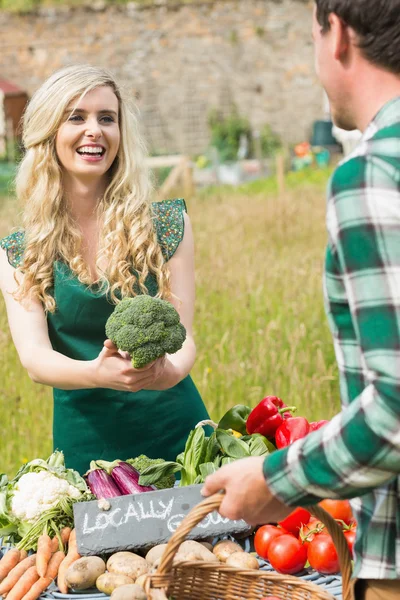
341 546
197 514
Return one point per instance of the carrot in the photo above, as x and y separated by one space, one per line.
8 562
54 563
24 584
16 573
72 547
54 544
44 552
38 588
71 557
43 583
22 555
65 533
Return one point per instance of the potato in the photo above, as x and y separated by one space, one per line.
207 545
127 563
129 592
155 553
108 582
83 573
141 580
242 560
225 548
191 550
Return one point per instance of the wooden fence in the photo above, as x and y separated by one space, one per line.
181 174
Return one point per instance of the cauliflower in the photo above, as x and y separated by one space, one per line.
146 327
37 492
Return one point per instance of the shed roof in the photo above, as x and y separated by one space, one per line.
9 88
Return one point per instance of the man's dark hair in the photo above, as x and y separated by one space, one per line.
376 22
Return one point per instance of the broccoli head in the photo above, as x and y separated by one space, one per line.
146 327
140 463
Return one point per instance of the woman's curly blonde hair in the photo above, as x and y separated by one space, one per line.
128 237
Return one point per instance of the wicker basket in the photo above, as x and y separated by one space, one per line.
195 580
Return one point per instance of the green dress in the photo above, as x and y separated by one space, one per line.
101 423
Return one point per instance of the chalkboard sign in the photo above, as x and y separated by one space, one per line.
141 520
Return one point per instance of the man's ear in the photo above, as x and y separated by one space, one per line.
341 38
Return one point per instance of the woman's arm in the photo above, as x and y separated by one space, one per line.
171 369
29 331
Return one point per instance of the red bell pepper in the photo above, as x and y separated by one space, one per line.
291 430
315 425
267 416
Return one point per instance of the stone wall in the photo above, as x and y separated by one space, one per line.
181 63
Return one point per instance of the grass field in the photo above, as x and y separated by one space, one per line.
260 325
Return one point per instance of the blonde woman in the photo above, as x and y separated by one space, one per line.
90 237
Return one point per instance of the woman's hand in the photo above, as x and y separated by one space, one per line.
165 375
113 369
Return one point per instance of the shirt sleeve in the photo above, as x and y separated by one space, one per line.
359 449
170 224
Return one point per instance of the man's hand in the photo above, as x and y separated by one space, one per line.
246 493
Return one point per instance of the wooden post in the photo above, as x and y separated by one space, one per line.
187 177
170 182
10 141
280 173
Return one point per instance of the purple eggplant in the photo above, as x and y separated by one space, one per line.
101 484
125 476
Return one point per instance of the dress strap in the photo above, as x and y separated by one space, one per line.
14 245
170 224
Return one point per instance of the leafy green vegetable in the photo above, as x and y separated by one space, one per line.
232 447
207 469
258 444
157 472
213 448
39 483
142 462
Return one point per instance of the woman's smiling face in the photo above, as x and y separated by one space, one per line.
88 139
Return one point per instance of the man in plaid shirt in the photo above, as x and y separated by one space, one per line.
357 455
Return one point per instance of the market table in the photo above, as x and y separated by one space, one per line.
330 583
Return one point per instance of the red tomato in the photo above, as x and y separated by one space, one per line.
350 536
315 526
322 555
338 509
297 518
263 538
287 554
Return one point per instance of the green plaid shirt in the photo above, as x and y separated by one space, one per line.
357 455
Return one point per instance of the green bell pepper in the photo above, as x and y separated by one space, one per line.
235 418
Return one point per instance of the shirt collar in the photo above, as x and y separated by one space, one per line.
388 115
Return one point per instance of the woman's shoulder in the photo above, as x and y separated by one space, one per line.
14 245
170 224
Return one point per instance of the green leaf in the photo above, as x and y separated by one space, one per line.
217 461
156 472
233 447
185 479
194 453
7 524
179 458
249 440
56 459
227 460
207 469
257 447
212 448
